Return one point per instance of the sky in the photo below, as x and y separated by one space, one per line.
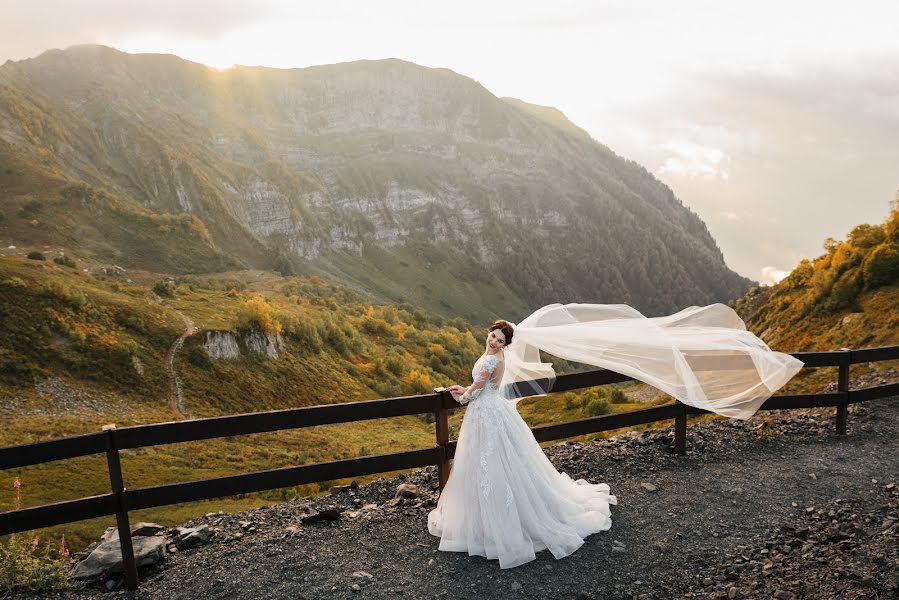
776 122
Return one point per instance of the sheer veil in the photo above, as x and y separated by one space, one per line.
702 355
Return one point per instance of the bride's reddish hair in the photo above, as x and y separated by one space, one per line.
504 327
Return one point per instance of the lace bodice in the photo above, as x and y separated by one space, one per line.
487 373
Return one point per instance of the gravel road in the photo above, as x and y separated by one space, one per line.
798 512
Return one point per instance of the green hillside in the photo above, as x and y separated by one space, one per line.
848 297
82 349
82 345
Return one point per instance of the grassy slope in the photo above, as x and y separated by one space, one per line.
34 293
48 330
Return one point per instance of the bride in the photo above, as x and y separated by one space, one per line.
504 499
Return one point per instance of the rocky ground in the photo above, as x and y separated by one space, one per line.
775 507
55 396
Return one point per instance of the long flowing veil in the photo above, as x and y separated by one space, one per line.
702 355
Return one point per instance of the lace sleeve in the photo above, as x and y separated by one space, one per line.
483 375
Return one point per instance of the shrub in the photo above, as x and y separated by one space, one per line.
800 275
60 291
198 357
35 255
419 381
13 283
891 225
65 261
303 331
845 291
866 236
198 227
256 312
618 397
30 208
395 362
881 266
375 326
165 288
76 192
597 406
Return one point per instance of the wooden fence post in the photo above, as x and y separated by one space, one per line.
442 428
680 429
121 515
843 388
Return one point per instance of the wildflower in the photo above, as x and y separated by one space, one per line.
35 542
104 575
62 546
16 485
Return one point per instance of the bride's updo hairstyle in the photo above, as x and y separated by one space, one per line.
505 328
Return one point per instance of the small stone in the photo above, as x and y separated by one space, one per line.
329 514
648 487
408 490
516 586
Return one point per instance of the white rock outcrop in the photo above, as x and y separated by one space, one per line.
221 345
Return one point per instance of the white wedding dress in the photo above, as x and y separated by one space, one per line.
504 499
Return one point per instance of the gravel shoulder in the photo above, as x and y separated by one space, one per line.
794 512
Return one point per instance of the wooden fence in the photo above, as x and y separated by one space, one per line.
121 500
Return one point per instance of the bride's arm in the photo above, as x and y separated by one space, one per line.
480 380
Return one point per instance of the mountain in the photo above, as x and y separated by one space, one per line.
411 183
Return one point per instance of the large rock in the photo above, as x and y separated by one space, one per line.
263 343
108 556
140 529
191 537
221 345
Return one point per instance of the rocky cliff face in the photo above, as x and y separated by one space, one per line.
399 179
223 345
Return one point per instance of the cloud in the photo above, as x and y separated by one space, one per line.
29 28
817 142
772 275
695 160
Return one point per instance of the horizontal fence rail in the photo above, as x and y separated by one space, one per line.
123 500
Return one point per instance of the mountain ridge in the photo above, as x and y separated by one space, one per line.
405 181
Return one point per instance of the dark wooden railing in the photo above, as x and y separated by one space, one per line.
121 500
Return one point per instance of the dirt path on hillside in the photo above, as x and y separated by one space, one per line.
176 396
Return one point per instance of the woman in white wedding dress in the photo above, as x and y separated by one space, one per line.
504 499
